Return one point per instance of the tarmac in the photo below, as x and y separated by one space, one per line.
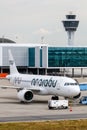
11 107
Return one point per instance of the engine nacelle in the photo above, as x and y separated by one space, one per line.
25 95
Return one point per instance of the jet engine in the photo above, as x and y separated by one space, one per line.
25 95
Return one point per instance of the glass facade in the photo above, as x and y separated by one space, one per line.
40 57
67 57
31 54
70 16
70 23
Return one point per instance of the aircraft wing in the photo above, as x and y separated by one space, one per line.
35 89
9 87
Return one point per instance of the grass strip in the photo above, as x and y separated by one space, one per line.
46 125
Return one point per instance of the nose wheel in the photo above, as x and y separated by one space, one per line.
54 98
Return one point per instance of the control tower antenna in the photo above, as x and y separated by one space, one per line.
70 25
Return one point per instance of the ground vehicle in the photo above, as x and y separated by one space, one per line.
83 100
58 104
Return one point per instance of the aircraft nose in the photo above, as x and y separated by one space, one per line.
78 93
77 96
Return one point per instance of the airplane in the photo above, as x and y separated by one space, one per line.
27 85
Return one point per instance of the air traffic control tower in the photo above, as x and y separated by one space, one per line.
70 25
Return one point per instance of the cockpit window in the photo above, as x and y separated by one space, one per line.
67 84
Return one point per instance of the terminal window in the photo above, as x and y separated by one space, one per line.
67 57
31 56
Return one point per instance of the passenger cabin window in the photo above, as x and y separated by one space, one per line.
67 84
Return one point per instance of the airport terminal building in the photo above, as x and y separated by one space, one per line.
45 59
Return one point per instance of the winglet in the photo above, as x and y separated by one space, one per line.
13 68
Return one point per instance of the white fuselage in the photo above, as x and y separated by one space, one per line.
47 85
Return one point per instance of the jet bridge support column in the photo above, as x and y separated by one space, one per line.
72 72
38 71
1 70
45 71
81 72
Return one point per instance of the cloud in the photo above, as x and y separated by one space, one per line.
42 31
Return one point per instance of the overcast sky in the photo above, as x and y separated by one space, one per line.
29 21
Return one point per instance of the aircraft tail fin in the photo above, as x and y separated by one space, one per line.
13 68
